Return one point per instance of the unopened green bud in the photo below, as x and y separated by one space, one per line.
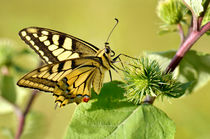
145 77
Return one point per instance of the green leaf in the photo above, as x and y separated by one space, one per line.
195 6
34 126
7 88
109 115
180 91
193 68
171 11
206 19
146 122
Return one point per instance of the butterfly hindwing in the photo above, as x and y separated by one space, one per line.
53 46
68 80
46 77
76 86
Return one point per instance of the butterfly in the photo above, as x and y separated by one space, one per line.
72 67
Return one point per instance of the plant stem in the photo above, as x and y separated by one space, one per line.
193 36
195 23
185 46
22 114
149 99
181 32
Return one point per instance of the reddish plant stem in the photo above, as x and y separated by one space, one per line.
149 99
195 23
22 114
185 46
30 101
181 32
190 28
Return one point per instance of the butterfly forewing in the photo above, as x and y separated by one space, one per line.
53 46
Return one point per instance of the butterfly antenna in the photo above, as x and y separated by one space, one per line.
112 30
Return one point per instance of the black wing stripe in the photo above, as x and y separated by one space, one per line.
54 46
80 40
61 40
60 67
50 38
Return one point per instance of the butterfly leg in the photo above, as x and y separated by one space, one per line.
118 57
110 75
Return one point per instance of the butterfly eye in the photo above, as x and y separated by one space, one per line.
107 50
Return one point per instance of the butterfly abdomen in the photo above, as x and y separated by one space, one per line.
104 59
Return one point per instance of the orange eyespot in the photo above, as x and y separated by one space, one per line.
86 99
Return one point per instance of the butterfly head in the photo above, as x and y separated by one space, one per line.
108 50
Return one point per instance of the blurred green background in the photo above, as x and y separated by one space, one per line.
92 20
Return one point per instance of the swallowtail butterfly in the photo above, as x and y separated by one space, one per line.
72 67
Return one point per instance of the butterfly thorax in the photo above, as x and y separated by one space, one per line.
105 57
